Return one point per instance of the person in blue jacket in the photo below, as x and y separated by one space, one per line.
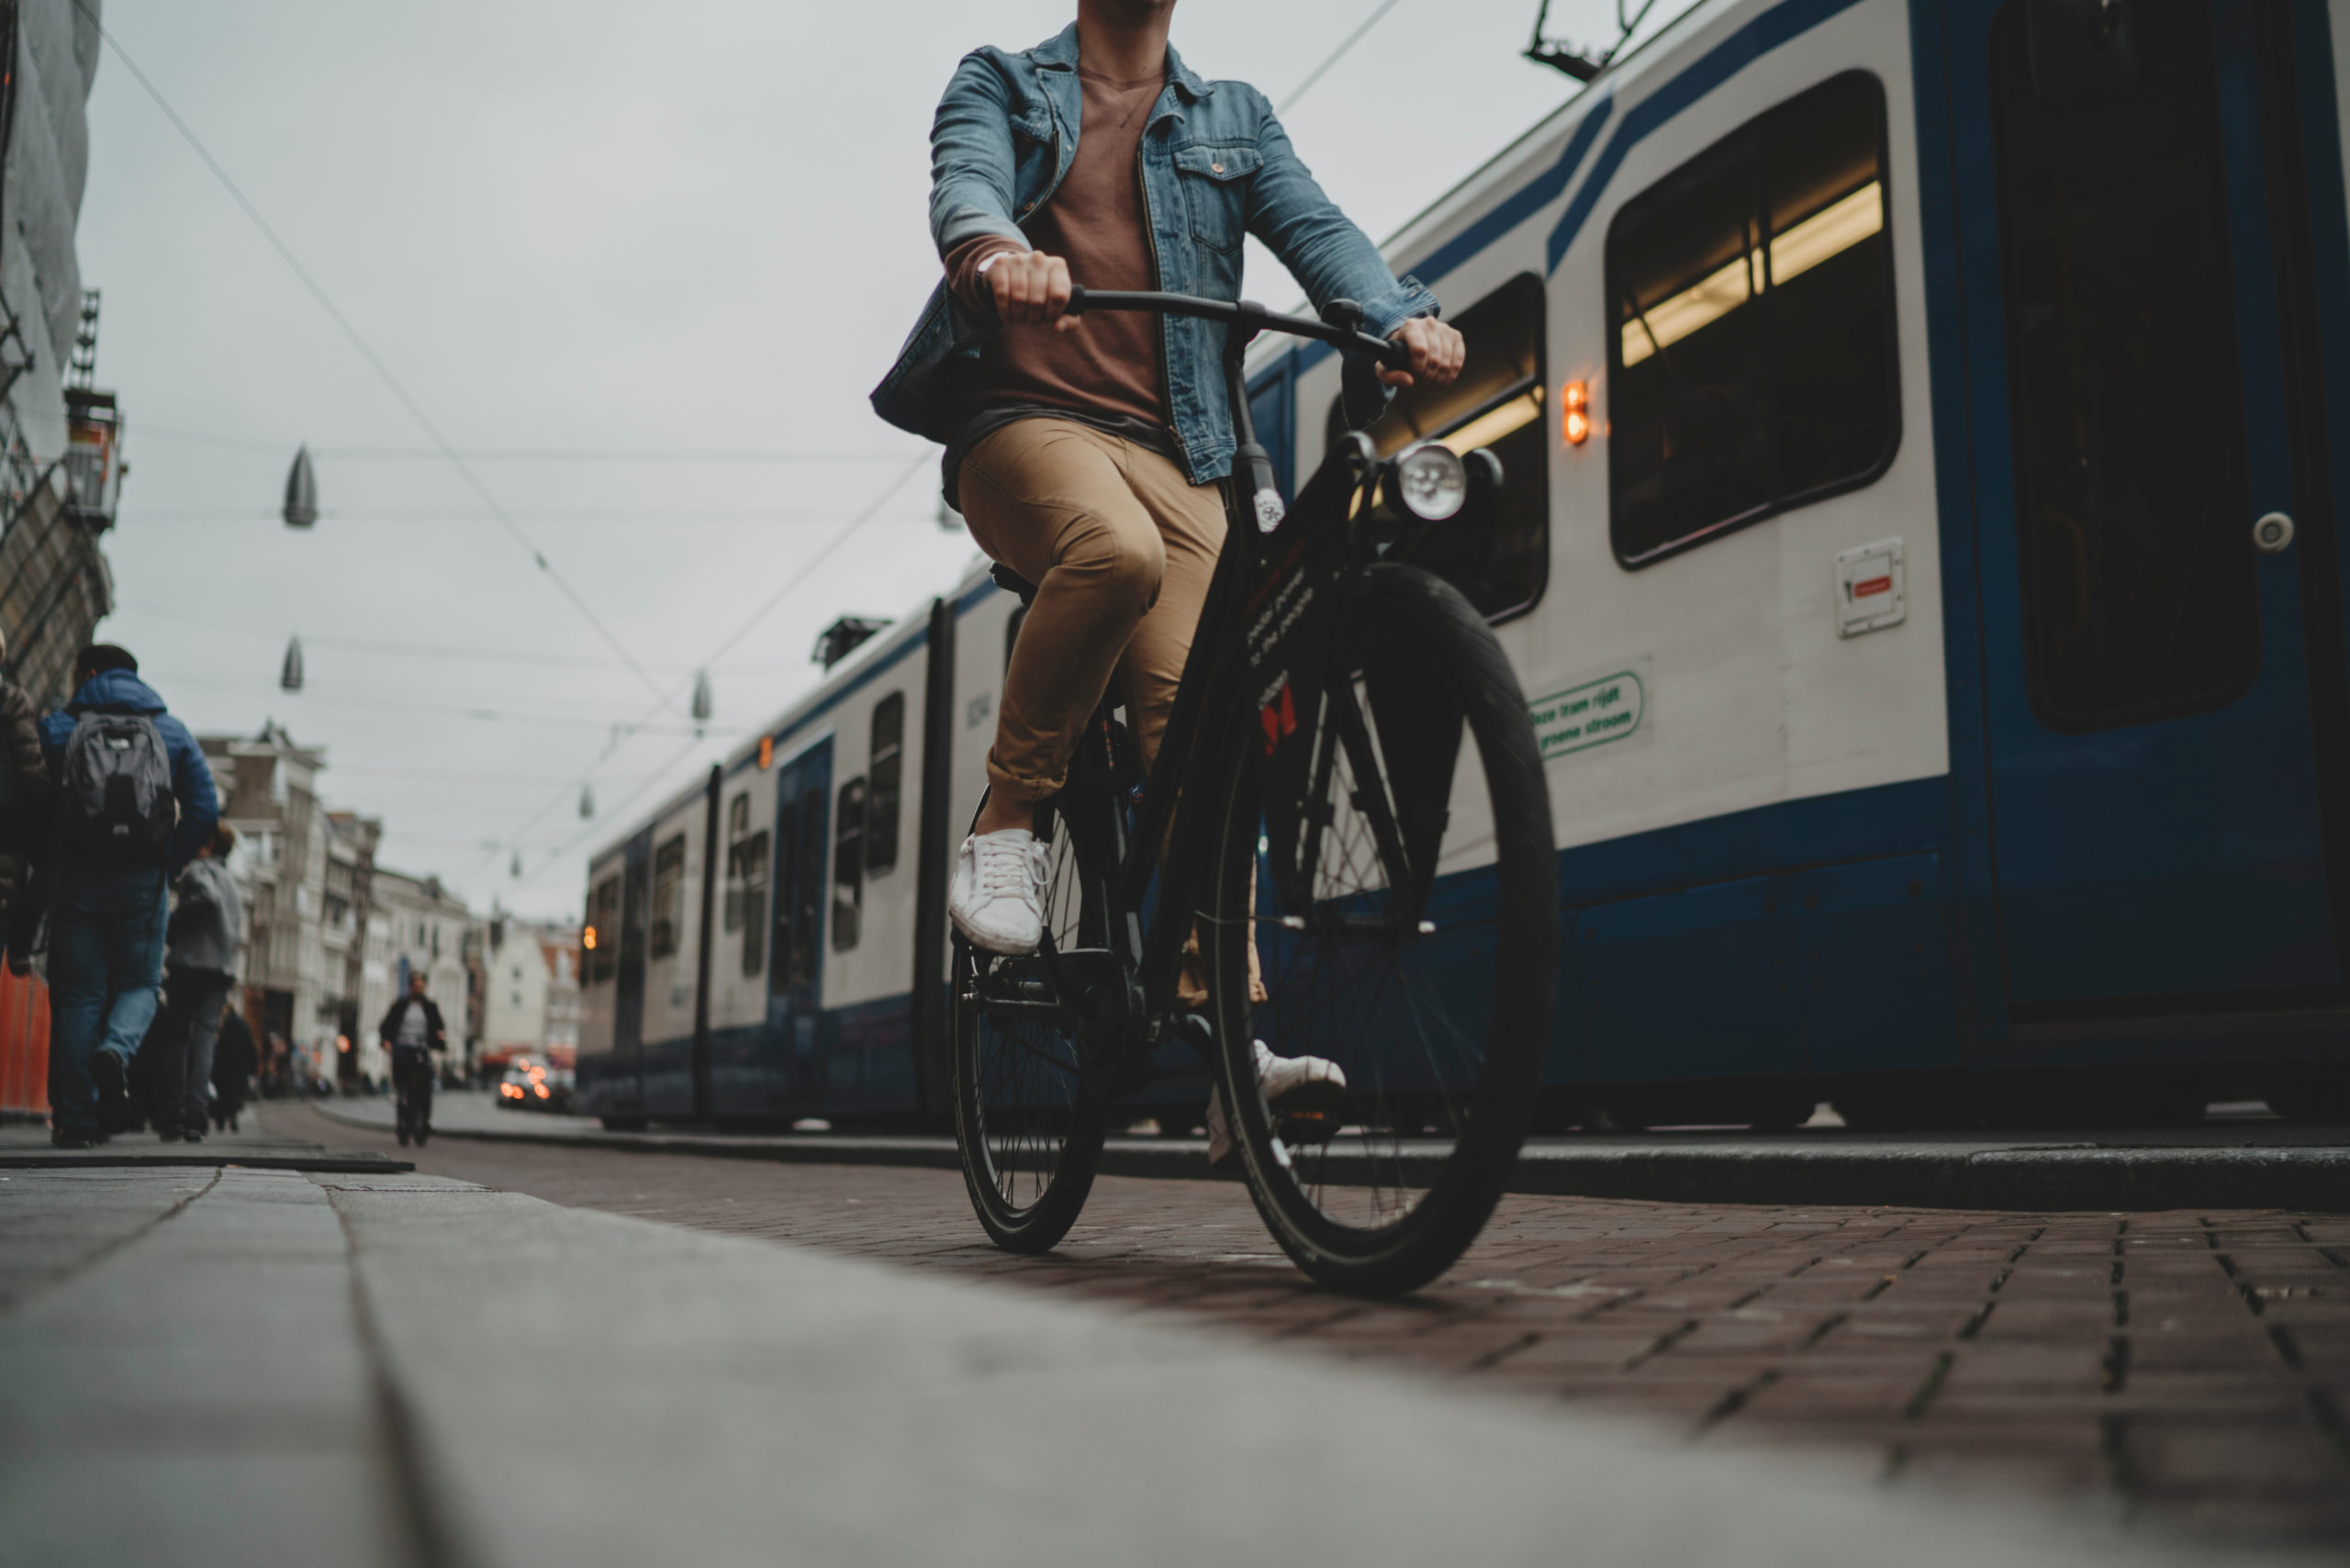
109 907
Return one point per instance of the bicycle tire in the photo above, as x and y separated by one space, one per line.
1028 1133
1446 1125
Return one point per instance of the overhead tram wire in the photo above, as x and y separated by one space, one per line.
1336 55
430 650
374 361
525 453
872 509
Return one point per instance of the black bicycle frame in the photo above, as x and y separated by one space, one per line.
1185 770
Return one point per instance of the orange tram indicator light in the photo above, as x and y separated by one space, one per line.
767 753
1575 413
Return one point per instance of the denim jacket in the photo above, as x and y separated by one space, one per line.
1216 166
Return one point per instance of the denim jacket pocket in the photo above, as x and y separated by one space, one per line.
1216 193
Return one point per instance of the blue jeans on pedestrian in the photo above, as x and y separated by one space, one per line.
183 1077
106 960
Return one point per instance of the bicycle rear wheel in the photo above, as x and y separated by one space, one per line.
1432 989
1026 1125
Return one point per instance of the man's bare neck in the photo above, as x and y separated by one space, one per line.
1123 39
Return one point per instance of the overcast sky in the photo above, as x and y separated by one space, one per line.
603 229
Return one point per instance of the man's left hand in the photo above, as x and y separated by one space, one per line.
1437 353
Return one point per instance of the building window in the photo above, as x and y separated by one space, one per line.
1498 402
886 773
1750 344
603 928
2141 600
668 896
747 883
848 866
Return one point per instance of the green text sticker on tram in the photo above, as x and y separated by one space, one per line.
1591 714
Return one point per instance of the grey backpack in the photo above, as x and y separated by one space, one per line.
116 802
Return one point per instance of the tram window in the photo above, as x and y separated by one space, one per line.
809 894
738 824
885 771
1498 402
787 883
2140 599
1750 344
603 920
848 866
668 896
747 883
798 891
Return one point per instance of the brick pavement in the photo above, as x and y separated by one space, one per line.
2194 1368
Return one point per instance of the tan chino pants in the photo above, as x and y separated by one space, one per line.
1121 545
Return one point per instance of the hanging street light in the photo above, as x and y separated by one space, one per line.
702 697
290 674
587 801
515 868
302 507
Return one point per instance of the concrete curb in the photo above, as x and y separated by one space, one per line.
326 1164
1843 1169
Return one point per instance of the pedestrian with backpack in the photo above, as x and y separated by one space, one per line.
135 802
24 818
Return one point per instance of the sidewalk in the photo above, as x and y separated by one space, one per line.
27 1147
254 1367
2222 1164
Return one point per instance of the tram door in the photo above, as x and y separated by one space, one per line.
628 991
795 954
2153 743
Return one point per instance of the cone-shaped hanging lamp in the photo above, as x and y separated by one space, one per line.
290 674
587 801
516 866
301 491
702 697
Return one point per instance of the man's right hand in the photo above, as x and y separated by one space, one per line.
1031 288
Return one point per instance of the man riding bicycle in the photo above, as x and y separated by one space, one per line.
1085 451
411 1031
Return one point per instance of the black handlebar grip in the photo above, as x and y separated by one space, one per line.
1076 306
1396 355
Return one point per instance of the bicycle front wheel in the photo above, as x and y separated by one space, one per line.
1402 895
1027 1128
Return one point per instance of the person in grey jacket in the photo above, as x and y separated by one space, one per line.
200 960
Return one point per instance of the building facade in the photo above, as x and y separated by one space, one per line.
529 990
415 926
268 788
59 438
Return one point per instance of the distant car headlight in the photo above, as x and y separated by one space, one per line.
1430 482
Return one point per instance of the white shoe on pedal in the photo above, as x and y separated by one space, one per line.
997 899
1285 1081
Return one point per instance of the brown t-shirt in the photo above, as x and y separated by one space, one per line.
1107 365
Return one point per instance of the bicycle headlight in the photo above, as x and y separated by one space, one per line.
1430 482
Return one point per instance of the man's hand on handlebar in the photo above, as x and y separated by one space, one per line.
1437 352
1031 288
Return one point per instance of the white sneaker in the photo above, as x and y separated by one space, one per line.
1283 1080
997 899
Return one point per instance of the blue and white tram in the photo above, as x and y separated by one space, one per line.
1921 553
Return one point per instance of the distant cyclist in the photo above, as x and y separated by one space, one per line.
1084 452
411 1031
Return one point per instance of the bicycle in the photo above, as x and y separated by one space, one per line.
1309 776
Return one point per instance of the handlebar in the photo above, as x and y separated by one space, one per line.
1252 318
